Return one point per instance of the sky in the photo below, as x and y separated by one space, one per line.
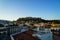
14 9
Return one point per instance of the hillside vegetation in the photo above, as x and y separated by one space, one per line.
35 20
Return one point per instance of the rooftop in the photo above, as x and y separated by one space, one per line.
27 35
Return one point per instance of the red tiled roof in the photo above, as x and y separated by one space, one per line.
25 36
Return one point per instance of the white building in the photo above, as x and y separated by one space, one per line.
43 34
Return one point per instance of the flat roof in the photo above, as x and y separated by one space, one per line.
27 35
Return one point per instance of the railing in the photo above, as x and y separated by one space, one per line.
13 29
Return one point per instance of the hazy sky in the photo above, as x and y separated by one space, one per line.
13 9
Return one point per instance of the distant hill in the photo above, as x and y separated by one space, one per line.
4 21
30 20
35 20
54 21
